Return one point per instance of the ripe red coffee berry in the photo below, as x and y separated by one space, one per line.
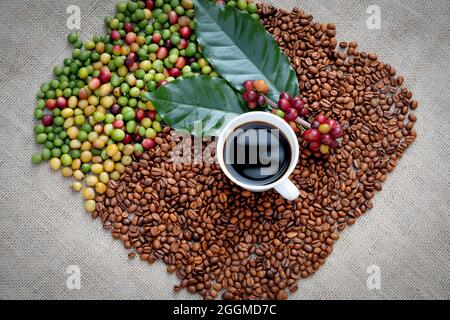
47 120
245 96
117 123
252 96
50 104
105 75
248 85
115 35
285 95
128 139
175 72
128 27
326 139
314 146
156 38
162 53
83 94
332 123
303 112
337 131
183 44
185 32
261 101
173 17
140 114
312 135
150 4
291 115
322 119
181 62
284 104
130 38
315 124
117 50
297 103
151 115
148 144
61 102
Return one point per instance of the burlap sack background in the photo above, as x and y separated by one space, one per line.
44 230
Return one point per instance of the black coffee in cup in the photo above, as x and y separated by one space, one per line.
257 153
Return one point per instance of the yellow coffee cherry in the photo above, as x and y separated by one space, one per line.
107 102
76 164
93 100
117 156
111 150
104 138
147 14
89 206
86 156
100 188
97 65
97 159
108 165
89 110
67 113
88 194
77 186
86 146
105 58
79 119
125 50
82 104
68 123
128 149
149 106
67 172
126 160
104 177
119 167
91 180
78 174
122 71
97 143
100 48
92 136
72 102
72 132
75 144
97 168
55 164
91 121
115 175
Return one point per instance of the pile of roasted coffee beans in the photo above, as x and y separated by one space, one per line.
222 241
216 237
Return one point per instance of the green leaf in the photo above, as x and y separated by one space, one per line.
239 48
187 102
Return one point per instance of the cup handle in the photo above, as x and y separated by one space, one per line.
288 190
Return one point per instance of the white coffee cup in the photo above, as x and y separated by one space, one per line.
282 185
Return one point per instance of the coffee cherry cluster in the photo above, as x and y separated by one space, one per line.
254 91
323 135
292 107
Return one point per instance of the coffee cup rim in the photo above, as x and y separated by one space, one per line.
271 119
